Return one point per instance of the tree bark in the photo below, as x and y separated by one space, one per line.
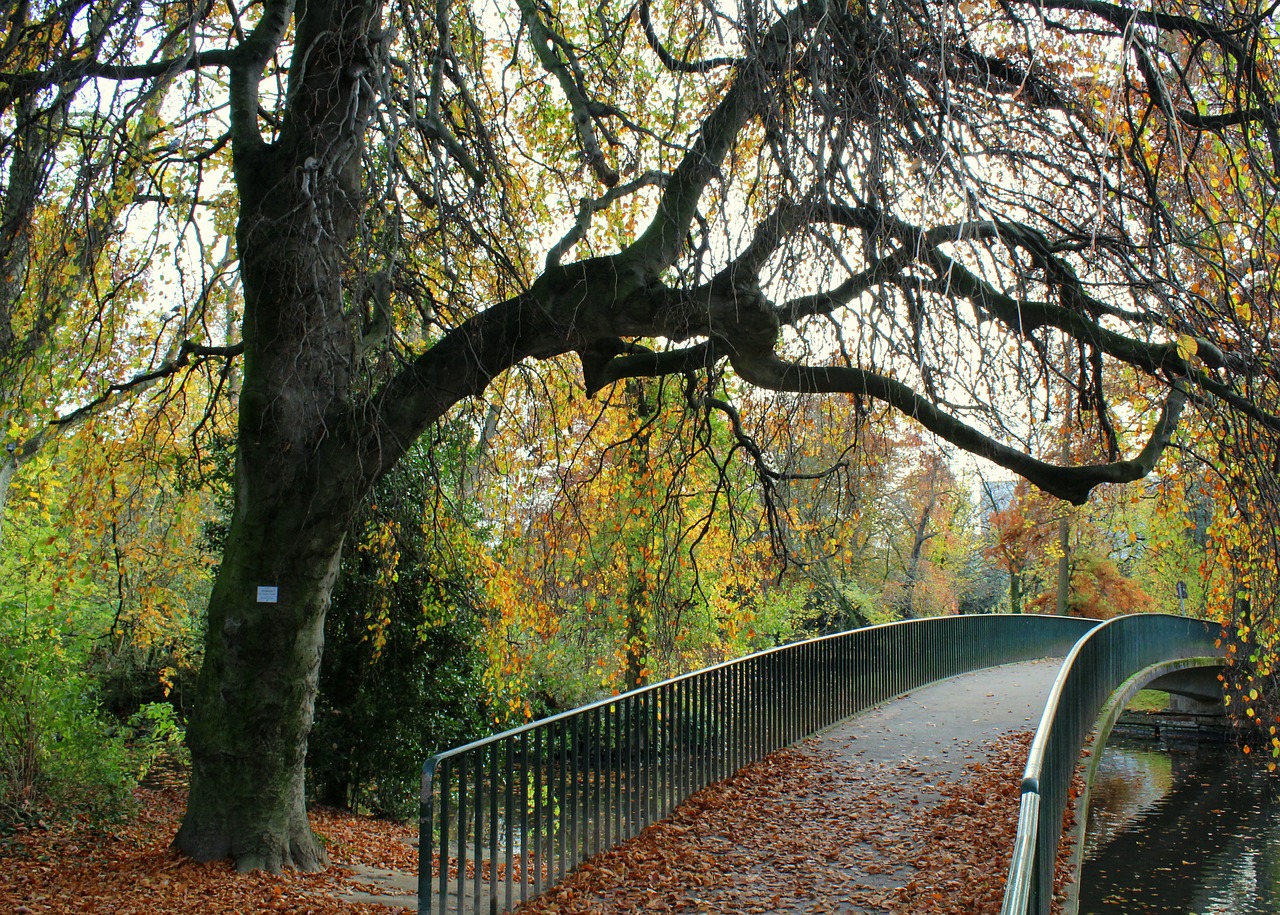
299 477
302 465
256 693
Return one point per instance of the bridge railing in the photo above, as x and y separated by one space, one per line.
1095 668
505 818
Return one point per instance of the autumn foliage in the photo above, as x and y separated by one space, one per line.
670 267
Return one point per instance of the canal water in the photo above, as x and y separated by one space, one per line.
1180 829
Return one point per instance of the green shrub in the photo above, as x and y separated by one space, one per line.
156 734
59 756
401 677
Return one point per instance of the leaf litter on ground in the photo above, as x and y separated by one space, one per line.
794 832
130 869
799 832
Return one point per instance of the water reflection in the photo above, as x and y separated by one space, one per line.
1180 830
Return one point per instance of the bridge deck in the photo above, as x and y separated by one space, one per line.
837 825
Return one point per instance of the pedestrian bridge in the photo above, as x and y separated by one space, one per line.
505 818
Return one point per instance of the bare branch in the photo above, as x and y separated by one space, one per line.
670 61
549 47
588 208
117 392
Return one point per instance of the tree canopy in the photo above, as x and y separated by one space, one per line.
989 215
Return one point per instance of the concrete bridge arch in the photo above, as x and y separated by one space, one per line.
1194 686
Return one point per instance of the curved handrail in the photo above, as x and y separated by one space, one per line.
568 786
1096 666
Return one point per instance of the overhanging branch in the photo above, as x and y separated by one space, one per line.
639 362
661 242
1073 484
115 393
549 47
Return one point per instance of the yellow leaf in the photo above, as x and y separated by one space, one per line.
1187 346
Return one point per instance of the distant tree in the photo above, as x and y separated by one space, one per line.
1021 536
1098 591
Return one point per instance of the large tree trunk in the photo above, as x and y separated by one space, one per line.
297 485
301 462
299 477
315 432
256 692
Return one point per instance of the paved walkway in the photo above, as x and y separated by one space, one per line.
831 826
935 729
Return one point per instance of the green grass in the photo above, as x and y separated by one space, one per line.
1149 700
